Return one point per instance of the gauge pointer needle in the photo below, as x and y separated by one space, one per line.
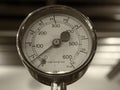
55 43
46 50
43 52
64 37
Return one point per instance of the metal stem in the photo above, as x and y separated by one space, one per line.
63 86
55 86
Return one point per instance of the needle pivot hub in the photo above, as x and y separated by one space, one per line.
56 42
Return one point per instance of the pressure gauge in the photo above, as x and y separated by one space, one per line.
56 43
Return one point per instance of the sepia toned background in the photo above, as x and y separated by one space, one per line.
104 71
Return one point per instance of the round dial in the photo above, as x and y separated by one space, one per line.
56 40
56 43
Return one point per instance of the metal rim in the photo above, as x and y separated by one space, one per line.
57 8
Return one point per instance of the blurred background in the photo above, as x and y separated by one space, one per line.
104 71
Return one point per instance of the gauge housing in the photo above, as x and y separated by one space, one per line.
41 76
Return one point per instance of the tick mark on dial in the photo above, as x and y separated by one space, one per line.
76 27
65 20
31 32
72 62
41 22
32 57
83 51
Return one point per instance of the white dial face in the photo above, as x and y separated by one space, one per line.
57 44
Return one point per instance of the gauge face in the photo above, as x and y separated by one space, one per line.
56 43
